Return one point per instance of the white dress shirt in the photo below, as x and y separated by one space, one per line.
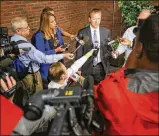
98 58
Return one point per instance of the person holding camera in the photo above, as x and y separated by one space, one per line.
33 58
12 117
128 99
10 113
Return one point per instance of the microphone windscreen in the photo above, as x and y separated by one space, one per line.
81 36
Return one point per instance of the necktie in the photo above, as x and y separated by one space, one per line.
95 41
94 37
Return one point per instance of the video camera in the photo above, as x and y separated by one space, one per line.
65 102
7 47
72 105
4 38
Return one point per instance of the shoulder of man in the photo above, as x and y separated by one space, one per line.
21 44
104 29
84 29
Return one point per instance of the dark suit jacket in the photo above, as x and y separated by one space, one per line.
87 68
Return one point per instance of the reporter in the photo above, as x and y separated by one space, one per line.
128 99
33 57
59 31
44 41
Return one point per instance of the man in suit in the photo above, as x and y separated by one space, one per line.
98 65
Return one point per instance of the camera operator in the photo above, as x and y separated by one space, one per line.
11 83
12 116
32 58
9 113
128 99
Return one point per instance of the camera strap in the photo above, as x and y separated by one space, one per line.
30 65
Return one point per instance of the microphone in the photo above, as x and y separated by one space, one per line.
82 42
96 46
80 37
72 79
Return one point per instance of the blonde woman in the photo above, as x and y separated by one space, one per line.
44 40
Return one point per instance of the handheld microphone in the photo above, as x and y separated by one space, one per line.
78 39
82 42
96 46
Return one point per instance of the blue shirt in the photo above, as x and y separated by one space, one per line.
34 55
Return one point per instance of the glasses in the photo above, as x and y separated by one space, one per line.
24 28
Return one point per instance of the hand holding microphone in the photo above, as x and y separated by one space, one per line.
82 40
60 49
68 56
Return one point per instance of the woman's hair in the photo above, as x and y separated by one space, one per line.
18 22
47 9
45 25
56 70
149 37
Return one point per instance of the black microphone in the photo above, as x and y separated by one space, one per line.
85 39
96 46
77 38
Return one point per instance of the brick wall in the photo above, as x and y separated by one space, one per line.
71 15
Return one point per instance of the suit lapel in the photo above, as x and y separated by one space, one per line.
101 38
89 34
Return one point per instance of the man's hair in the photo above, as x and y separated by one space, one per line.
47 9
17 22
149 37
56 70
94 10
45 25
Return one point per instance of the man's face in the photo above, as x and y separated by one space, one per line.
95 19
25 30
52 22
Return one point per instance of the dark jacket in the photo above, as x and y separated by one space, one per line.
87 68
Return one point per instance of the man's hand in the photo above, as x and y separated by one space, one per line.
124 41
72 37
10 83
7 85
68 56
60 49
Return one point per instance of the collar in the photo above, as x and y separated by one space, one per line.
142 80
53 84
92 29
20 37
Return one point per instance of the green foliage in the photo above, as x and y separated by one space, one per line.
131 9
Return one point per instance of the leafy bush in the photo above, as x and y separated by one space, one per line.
131 9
